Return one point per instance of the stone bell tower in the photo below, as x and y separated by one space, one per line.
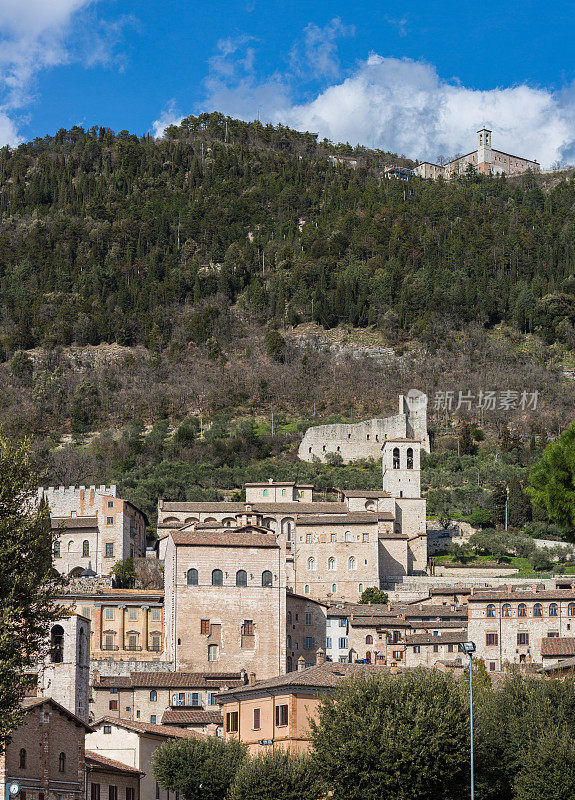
484 153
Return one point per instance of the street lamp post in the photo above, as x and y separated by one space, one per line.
469 648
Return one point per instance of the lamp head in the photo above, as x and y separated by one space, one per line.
467 647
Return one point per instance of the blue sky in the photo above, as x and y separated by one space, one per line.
413 77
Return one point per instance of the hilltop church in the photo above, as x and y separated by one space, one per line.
485 160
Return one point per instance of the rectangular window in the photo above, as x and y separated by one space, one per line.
110 504
308 643
289 616
132 642
342 623
332 537
248 627
491 639
130 793
212 698
112 793
308 538
133 613
284 492
436 648
113 705
196 699
109 613
343 643
552 634
522 637
205 626
95 791
307 618
107 729
450 648
281 715
398 655
492 666
257 716
232 722
109 550
109 641
328 643
365 537
109 520
417 648
87 612
157 614
156 645
153 719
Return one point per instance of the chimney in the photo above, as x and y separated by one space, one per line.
472 590
252 679
300 663
244 676
320 656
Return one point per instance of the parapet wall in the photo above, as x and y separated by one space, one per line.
352 442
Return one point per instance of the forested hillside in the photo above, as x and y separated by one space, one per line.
148 288
113 238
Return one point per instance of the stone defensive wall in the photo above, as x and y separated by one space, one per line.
352 442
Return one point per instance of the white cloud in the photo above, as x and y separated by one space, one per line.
169 116
39 34
396 104
317 54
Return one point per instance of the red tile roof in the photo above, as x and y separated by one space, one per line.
148 728
453 637
191 718
558 646
95 760
170 680
353 517
221 539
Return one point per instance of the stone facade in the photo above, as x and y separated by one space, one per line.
509 626
46 753
425 650
149 696
127 624
305 630
366 439
64 668
225 599
97 528
484 160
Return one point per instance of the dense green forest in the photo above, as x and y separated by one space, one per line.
114 238
148 288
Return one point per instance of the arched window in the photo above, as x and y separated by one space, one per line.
537 610
57 644
369 639
490 610
241 578
213 652
571 609
56 549
553 609
334 588
153 696
396 457
311 563
347 536
22 758
288 664
267 578
306 589
288 641
85 548
521 610
410 458
62 762
360 588
82 648
266 492
192 577
351 562
217 578
331 563
506 610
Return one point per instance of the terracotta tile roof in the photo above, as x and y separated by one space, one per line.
226 507
567 663
73 522
391 534
29 703
219 526
95 760
170 680
521 595
148 728
216 539
558 646
453 637
431 611
353 517
323 676
191 718
367 493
